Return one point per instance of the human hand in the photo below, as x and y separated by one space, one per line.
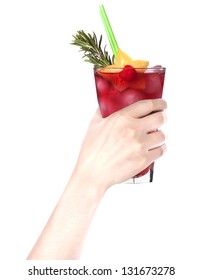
114 149
118 147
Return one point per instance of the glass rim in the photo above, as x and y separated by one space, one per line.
151 69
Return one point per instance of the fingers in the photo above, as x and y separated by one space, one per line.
153 121
143 108
139 109
155 142
157 152
155 139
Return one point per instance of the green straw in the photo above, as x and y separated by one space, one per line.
109 31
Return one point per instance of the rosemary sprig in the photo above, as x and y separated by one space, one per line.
92 49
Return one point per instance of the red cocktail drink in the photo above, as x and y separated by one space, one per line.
118 88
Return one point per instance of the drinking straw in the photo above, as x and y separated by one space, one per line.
109 31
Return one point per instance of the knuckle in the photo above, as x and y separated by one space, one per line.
141 147
158 104
162 150
164 116
162 136
123 126
161 117
151 104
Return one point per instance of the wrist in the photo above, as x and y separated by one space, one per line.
87 187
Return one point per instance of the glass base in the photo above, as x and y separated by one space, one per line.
146 178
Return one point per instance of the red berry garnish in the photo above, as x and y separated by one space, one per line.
128 73
120 84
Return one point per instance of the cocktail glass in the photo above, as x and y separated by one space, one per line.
119 87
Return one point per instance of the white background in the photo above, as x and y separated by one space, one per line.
47 98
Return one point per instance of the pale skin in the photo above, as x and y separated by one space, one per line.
114 149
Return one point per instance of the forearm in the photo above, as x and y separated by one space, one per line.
64 233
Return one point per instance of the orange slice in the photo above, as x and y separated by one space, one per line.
122 60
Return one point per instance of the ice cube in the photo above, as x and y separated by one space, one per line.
153 83
109 103
130 96
102 85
